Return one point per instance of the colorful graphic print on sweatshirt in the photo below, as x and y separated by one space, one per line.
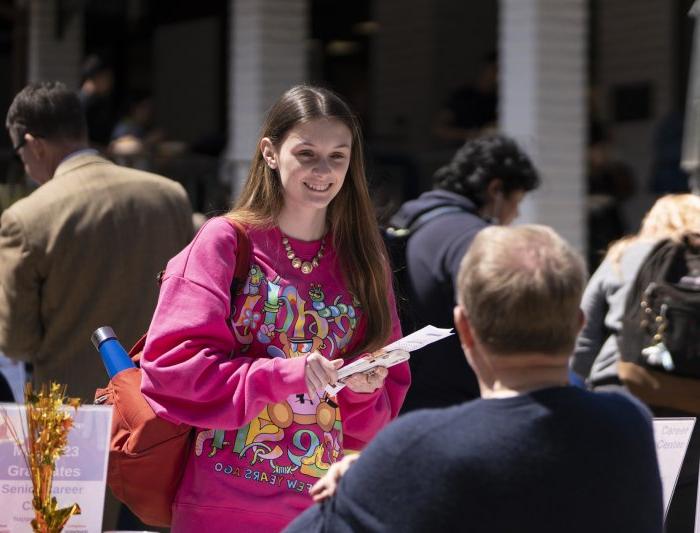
300 437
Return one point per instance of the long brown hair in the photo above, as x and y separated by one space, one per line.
350 215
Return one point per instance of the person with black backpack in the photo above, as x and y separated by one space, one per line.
483 184
642 331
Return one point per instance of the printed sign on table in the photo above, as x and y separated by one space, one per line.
80 476
672 436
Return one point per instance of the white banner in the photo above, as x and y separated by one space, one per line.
80 476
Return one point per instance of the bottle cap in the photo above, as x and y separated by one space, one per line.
102 334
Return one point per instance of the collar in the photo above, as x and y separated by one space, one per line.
428 201
78 159
82 151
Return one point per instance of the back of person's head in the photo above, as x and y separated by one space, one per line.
139 106
94 68
672 216
47 110
480 161
521 288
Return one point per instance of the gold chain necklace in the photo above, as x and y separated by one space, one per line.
297 262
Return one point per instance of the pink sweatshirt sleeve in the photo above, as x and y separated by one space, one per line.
365 414
191 372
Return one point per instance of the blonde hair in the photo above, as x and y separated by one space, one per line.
521 288
672 216
351 218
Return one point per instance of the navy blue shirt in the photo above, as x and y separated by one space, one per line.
555 460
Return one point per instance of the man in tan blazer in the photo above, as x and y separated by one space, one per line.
84 249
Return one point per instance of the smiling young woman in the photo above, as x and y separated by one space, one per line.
318 293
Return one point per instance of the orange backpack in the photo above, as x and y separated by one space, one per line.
147 454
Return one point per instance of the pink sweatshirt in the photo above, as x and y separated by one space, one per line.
261 441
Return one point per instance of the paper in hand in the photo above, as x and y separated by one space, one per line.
390 355
419 339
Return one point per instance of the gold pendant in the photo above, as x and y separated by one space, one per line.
305 266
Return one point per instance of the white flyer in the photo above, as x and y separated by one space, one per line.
392 354
80 476
672 436
419 339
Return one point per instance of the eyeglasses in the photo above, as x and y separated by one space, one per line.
20 144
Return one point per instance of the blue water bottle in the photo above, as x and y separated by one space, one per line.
113 354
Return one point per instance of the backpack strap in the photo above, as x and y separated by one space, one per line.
422 219
240 275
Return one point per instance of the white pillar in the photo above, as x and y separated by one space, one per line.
267 55
55 42
542 57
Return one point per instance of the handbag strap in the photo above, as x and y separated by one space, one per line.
240 275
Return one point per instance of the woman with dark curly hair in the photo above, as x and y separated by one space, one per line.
483 184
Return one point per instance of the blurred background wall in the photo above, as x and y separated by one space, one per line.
594 89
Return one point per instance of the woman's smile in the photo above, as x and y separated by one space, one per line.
318 187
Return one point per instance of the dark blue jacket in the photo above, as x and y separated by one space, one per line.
440 374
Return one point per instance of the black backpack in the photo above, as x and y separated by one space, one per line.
396 240
661 325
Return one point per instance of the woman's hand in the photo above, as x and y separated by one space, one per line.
367 382
325 487
320 372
